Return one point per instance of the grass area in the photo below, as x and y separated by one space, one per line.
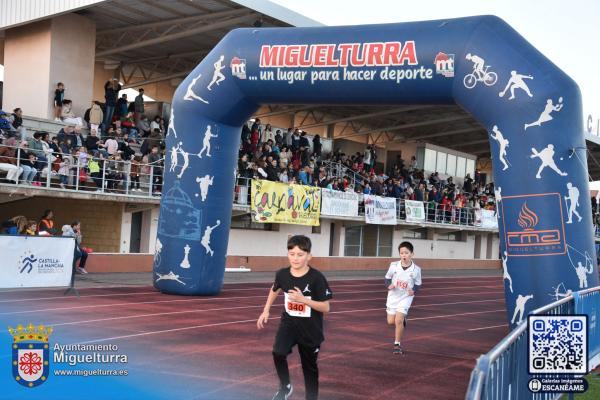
593 392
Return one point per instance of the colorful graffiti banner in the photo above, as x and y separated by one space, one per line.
280 203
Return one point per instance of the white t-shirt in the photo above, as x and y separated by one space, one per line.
403 279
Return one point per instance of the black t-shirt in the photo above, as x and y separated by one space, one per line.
314 285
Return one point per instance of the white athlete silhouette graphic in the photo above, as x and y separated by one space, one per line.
547 158
520 307
503 143
306 289
218 76
170 276
557 293
505 274
582 273
206 238
516 82
572 201
171 127
157 251
190 95
479 74
206 142
174 154
498 194
185 263
186 162
545 115
204 182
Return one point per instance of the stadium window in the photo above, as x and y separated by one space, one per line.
420 233
368 241
246 222
316 229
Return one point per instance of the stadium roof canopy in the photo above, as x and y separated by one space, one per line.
151 41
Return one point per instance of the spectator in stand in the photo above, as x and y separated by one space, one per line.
27 164
63 133
304 141
68 116
155 160
256 126
267 134
295 139
272 171
111 93
139 105
122 105
285 155
93 142
78 139
31 228
317 146
15 226
260 169
95 168
116 172
126 151
155 139
8 160
305 176
143 126
46 225
36 147
64 172
288 137
155 124
111 145
81 255
16 120
96 116
134 175
254 139
59 96
279 138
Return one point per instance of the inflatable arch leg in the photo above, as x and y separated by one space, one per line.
531 109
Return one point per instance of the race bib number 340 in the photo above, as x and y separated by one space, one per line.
296 309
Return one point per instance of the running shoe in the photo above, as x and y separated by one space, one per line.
284 393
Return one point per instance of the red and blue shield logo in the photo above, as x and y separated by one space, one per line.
30 355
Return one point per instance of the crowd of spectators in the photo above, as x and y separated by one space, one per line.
21 225
121 146
289 157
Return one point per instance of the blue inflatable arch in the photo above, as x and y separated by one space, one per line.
531 109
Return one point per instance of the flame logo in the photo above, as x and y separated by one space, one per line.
527 218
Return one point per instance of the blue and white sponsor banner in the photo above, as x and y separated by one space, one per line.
380 210
334 202
415 211
36 261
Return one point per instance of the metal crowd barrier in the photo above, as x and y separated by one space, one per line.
502 373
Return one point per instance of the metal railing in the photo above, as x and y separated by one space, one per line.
502 373
435 213
111 176
339 170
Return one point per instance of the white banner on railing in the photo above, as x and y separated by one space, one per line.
415 211
334 202
380 210
36 261
488 219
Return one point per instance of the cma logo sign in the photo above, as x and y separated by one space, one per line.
533 225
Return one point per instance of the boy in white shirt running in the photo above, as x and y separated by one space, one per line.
402 280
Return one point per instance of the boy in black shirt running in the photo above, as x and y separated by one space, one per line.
307 296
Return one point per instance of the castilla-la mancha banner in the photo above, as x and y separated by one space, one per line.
281 203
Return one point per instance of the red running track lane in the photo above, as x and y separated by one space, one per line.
218 336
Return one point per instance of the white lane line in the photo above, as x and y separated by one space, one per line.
78 322
254 320
488 327
204 299
334 286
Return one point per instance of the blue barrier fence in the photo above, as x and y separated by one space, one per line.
502 373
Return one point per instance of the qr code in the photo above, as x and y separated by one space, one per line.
558 344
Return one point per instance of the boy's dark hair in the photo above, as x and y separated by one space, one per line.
408 245
301 241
